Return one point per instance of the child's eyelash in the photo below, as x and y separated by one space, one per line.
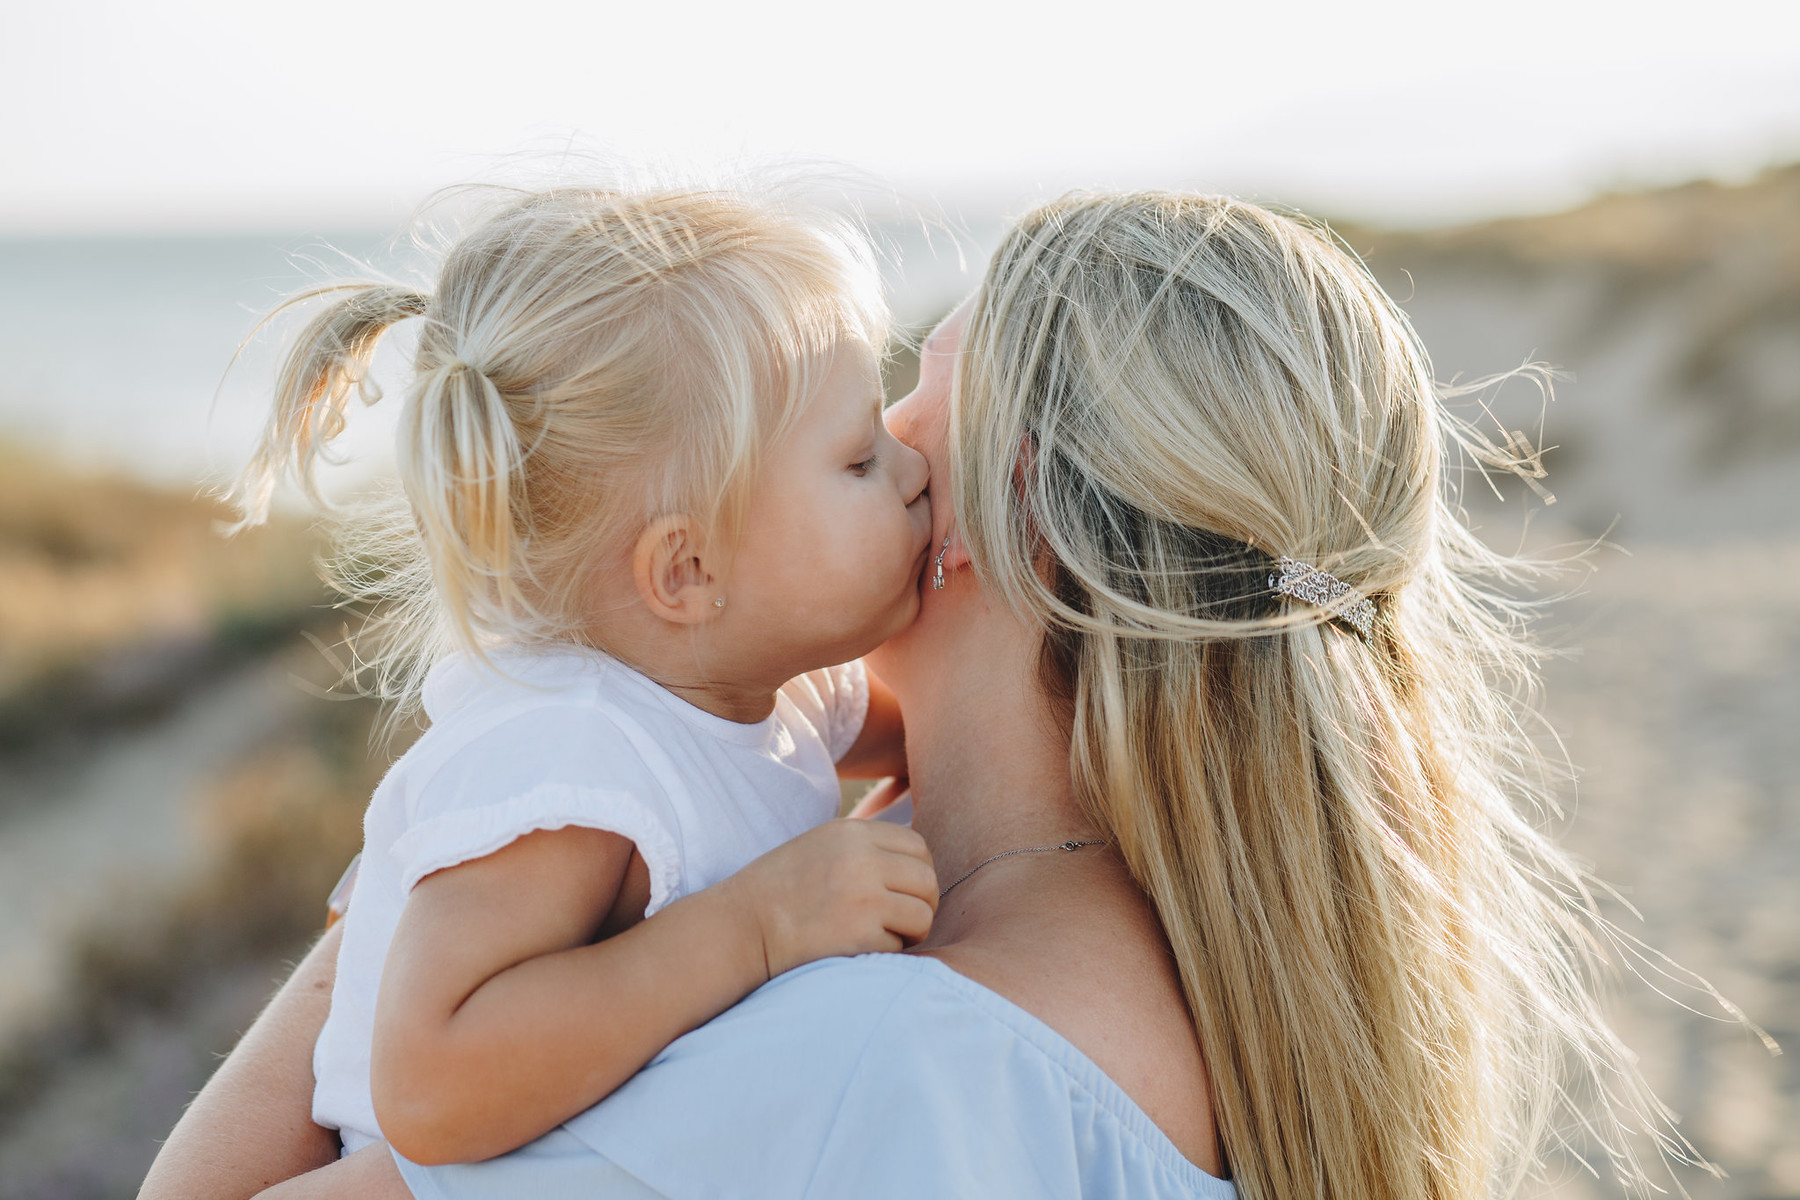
866 465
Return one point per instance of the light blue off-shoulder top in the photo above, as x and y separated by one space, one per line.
886 1075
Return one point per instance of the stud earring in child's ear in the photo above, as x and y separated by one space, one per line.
937 580
718 602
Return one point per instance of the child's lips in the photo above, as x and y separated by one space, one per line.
924 563
923 557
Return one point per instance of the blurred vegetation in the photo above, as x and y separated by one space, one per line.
166 980
118 601
1722 260
1663 234
118 596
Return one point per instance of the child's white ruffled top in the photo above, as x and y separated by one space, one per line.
571 737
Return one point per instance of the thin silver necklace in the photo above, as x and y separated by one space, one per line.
1069 845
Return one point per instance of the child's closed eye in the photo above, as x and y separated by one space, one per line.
866 465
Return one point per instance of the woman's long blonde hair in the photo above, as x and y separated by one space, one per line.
1386 961
589 359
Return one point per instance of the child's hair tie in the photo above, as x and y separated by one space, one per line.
1305 582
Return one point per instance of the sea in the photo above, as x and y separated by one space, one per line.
142 354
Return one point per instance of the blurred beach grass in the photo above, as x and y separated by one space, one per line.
121 601
118 596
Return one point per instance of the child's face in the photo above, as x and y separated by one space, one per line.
838 529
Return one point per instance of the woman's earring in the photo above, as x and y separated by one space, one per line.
937 580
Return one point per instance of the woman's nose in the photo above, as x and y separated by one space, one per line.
915 472
896 419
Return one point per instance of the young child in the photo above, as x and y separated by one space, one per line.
648 482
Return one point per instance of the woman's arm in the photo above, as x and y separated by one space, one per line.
880 748
251 1125
884 795
369 1174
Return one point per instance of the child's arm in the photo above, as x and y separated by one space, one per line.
880 749
497 1019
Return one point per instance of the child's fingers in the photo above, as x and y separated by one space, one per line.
905 875
896 839
909 917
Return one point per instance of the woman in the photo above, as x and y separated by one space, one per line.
1205 738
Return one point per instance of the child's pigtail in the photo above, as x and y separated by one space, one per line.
463 469
312 388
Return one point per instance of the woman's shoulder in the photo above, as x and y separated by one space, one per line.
877 1076
884 1075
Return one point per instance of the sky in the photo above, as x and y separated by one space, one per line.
200 116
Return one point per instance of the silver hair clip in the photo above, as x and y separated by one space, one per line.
1305 582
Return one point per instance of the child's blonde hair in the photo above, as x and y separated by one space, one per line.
590 359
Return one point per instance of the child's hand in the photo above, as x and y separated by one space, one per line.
847 887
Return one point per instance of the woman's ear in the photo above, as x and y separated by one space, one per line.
669 567
1024 469
1043 563
956 554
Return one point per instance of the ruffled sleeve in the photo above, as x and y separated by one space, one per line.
835 701
546 769
463 835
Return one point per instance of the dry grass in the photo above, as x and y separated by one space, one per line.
1726 259
113 594
1664 234
94 563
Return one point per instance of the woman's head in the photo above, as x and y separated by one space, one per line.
1141 370
1156 397
590 361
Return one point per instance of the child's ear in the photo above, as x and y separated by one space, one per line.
669 567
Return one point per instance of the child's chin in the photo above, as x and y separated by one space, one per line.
910 603
903 614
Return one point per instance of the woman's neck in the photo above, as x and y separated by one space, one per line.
1069 938
990 774
986 788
